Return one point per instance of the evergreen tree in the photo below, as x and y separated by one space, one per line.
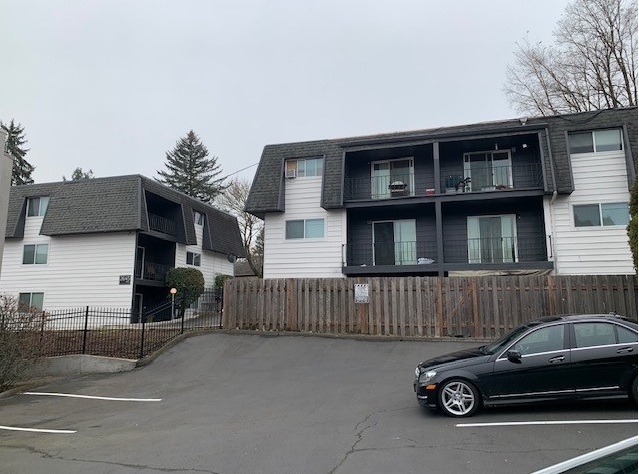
79 174
22 169
189 171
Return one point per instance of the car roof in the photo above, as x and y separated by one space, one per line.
583 317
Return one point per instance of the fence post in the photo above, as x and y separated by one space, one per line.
142 338
84 336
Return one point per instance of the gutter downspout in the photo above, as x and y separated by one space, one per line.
551 253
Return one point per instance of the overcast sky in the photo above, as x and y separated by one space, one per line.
111 85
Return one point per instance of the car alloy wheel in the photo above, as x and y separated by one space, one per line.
458 398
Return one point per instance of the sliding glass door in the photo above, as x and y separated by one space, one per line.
392 178
488 170
394 242
492 239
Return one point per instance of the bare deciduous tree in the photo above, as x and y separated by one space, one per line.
233 200
20 340
591 66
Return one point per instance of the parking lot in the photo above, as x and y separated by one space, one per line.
262 403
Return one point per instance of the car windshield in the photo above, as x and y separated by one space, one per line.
503 341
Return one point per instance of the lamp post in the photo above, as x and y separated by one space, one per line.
173 291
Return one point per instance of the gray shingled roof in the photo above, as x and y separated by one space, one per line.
267 190
115 204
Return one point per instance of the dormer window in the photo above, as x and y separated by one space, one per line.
596 141
305 167
198 218
37 206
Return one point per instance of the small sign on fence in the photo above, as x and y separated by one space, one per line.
361 293
125 279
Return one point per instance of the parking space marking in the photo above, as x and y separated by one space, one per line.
91 397
36 430
554 422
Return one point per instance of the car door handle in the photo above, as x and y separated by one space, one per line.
625 350
552 360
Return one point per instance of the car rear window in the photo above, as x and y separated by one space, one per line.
625 335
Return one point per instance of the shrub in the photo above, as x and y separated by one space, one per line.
20 331
189 283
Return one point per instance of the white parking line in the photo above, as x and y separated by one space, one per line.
556 422
36 430
91 397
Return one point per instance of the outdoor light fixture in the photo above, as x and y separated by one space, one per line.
173 291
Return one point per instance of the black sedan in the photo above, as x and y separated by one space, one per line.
553 358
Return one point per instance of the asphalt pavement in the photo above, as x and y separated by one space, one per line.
263 403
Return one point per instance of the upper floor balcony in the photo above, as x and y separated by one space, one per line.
162 224
474 178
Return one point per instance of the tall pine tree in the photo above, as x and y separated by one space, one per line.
22 169
189 171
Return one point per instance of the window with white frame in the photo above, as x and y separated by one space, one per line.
37 206
198 218
305 229
595 141
601 214
31 300
305 167
194 259
35 254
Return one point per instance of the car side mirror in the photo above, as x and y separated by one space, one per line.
514 355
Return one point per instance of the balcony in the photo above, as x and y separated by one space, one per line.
496 250
151 271
480 252
162 224
484 177
390 253
476 179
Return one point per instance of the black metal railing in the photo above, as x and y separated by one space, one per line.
497 250
479 179
116 332
390 253
162 224
151 271
482 178
380 187
479 251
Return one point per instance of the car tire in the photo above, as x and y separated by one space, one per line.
458 398
632 391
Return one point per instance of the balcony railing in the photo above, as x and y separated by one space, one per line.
478 179
151 271
500 250
380 187
390 253
481 178
496 250
162 224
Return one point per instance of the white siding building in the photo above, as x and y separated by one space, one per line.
598 245
317 250
524 196
108 242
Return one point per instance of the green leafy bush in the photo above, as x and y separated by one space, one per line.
189 283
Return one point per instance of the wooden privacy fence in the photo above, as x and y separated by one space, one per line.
479 307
